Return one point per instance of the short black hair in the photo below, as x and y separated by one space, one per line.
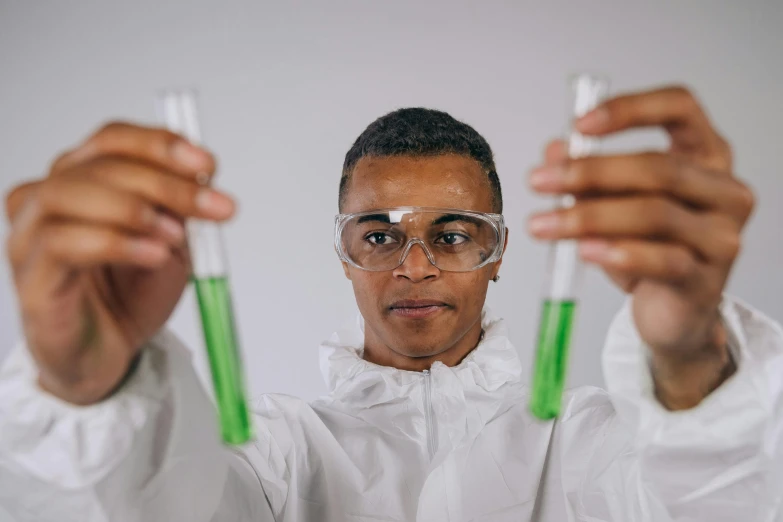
421 132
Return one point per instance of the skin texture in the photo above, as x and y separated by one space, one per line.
98 255
446 181
664 225
99 262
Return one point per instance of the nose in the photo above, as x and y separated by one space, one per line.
416 266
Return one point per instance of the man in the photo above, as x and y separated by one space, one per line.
103 419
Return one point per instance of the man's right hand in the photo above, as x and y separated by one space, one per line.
97 250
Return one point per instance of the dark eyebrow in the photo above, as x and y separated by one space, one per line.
450 218
383 218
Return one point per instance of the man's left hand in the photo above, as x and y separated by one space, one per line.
665 226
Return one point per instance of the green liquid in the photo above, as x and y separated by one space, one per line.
217 318
554 337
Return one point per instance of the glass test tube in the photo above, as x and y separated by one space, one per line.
564 272
209 274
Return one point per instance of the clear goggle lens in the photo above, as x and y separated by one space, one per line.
453 240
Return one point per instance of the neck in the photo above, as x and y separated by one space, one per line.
381 354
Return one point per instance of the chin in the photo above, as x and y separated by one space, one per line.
419 349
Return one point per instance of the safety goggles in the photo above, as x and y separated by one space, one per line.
453 240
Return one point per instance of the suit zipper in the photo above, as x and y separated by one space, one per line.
429 415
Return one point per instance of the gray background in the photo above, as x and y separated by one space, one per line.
287 86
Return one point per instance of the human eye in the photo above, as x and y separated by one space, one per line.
452 239
379 238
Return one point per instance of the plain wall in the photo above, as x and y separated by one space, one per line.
287 86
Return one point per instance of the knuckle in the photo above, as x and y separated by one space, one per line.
663 214
162 190
99 243
49 239
582 220
48 195
15 197
12 248
102 167
724 149
578 175
681 90
158 142
108 245
172 193
729 239
684 97
60 162
111 127
679 263
667 170
106 135
166 136
140 215
732 245
159 189
732 242
747 198
185 198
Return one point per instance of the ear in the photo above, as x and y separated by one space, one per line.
496 268
346 270
345 266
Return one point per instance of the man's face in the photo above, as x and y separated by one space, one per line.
446 181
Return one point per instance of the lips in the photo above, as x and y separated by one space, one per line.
417 308
416 303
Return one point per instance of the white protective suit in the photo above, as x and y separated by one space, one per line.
452 444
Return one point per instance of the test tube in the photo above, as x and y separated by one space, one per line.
209 274
564 271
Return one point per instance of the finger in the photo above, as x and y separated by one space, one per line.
81 245
86 202
16 197
83 200
624 282
555 152
649 173
181 197
714 237
153 145
639 259
673 108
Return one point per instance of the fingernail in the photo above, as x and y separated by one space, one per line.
545 224
189 156
214 203
146 251
547 178
616 256
599 251
593 120
171 228
202 178
594 250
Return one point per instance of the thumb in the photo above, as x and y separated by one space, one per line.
625 282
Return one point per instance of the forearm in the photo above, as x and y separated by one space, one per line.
148 452
722 459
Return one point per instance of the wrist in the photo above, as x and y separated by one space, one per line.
90 390
684 377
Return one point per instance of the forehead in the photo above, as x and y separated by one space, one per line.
444 181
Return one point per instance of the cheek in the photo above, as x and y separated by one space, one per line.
368 287
475 290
